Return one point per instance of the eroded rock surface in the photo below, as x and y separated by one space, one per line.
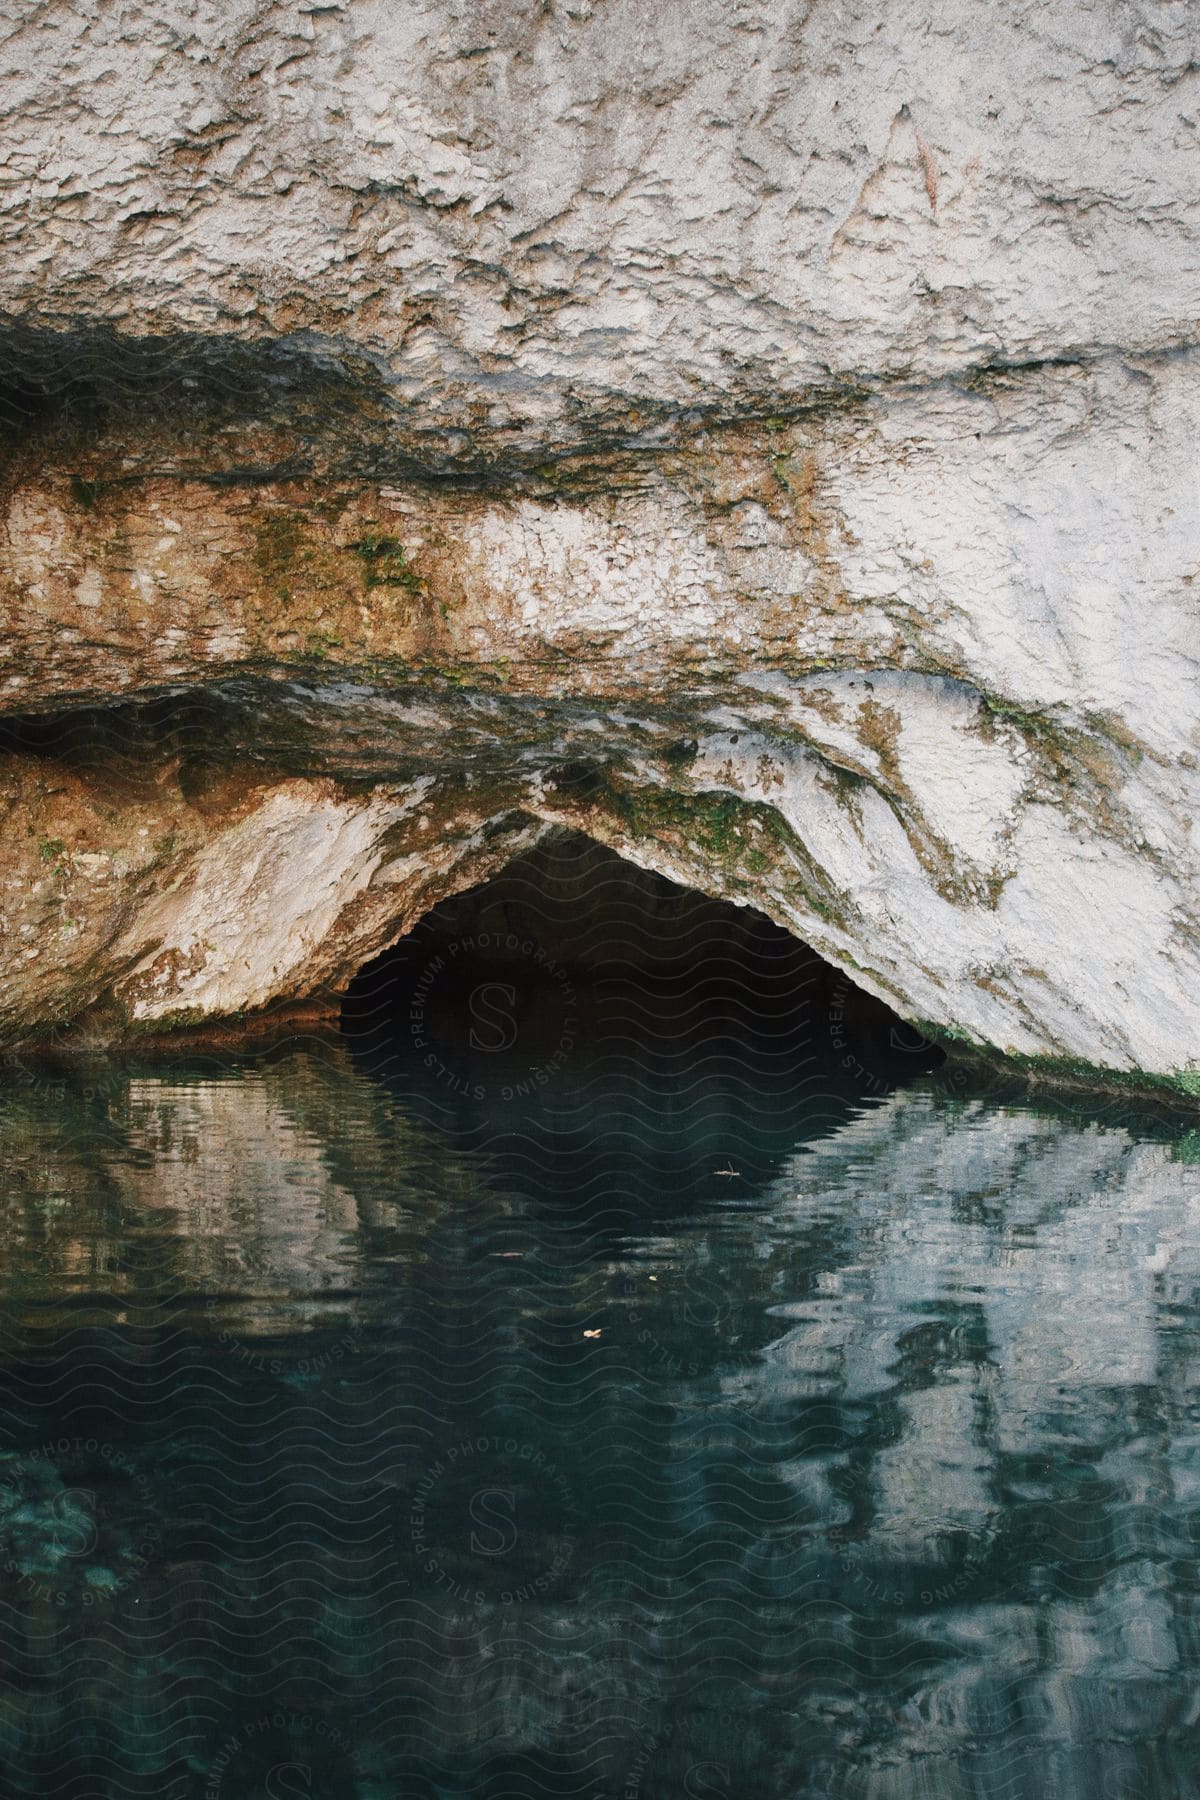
761 439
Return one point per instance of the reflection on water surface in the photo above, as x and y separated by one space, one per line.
361 1439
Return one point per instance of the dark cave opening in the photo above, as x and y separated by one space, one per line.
575 980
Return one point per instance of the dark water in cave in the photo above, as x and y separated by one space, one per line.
745 1408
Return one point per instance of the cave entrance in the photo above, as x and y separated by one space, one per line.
575 978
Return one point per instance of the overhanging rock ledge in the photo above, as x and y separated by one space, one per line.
762 438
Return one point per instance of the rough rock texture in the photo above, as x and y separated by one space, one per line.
762 437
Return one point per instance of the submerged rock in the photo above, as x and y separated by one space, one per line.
760 445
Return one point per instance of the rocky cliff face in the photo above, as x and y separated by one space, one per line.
760 437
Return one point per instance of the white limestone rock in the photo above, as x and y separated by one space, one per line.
821 387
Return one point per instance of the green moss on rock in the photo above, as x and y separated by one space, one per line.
1179 1088
385 563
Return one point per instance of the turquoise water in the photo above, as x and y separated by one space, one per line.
661 1432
